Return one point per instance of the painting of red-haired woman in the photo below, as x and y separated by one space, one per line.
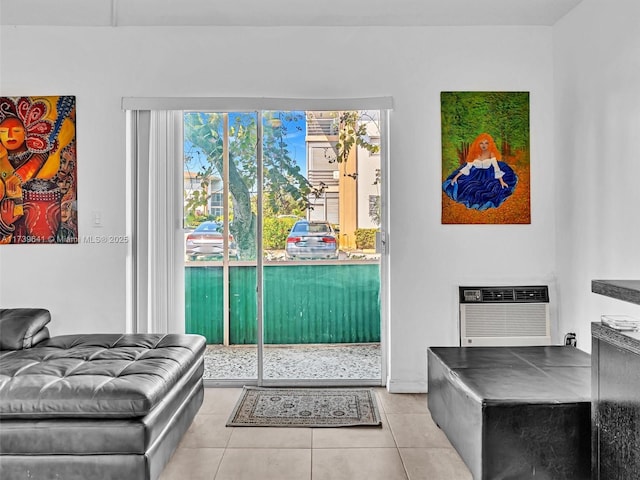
485 158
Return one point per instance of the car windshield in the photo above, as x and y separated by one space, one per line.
311 228
208 227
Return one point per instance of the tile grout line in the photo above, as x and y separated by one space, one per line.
382 410
224 452
393 435
395 442
311 459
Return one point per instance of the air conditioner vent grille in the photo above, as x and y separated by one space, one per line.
497 295
536 294
533 294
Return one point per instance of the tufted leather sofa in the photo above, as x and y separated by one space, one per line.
105 406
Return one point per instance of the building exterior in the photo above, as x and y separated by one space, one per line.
350 195
193 187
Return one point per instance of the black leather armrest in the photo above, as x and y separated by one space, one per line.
23 327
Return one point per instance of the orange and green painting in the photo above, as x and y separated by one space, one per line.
38 179
485 158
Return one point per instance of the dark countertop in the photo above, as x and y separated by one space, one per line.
627 290
629 341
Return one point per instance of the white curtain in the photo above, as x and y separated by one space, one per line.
154 205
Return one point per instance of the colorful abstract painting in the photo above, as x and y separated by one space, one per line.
38 179
485 158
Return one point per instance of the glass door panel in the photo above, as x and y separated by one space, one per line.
220 241
321 281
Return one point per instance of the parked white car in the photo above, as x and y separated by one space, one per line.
311 240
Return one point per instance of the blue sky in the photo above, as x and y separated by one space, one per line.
295 137
296 131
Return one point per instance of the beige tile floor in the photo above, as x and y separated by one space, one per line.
409 446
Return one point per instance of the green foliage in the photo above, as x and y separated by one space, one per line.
286 189
504 115
204 133
366 238
352 131
275 232
375 214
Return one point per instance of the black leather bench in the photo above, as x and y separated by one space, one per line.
107 406
514 412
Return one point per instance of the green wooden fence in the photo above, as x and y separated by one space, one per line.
314 303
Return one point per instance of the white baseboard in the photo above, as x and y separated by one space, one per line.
401 386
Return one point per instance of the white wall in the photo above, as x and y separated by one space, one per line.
83 285
597 69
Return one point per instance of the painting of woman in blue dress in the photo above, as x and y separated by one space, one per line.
485 181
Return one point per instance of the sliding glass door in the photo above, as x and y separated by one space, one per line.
282 250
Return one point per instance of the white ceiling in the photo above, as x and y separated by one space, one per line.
283 12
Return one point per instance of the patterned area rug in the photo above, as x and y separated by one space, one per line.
305 407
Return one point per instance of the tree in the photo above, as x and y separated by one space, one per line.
286 189
375 210
352 128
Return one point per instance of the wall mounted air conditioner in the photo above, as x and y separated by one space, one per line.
504 316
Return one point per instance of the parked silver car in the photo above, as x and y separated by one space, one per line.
311 240
207 241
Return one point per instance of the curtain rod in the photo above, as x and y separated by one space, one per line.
237 104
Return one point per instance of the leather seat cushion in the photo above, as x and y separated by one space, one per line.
94 376
530 375
103 436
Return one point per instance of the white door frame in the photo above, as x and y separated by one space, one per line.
137 277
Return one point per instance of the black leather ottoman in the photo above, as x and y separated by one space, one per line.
514 412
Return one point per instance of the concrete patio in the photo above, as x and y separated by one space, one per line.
300 362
